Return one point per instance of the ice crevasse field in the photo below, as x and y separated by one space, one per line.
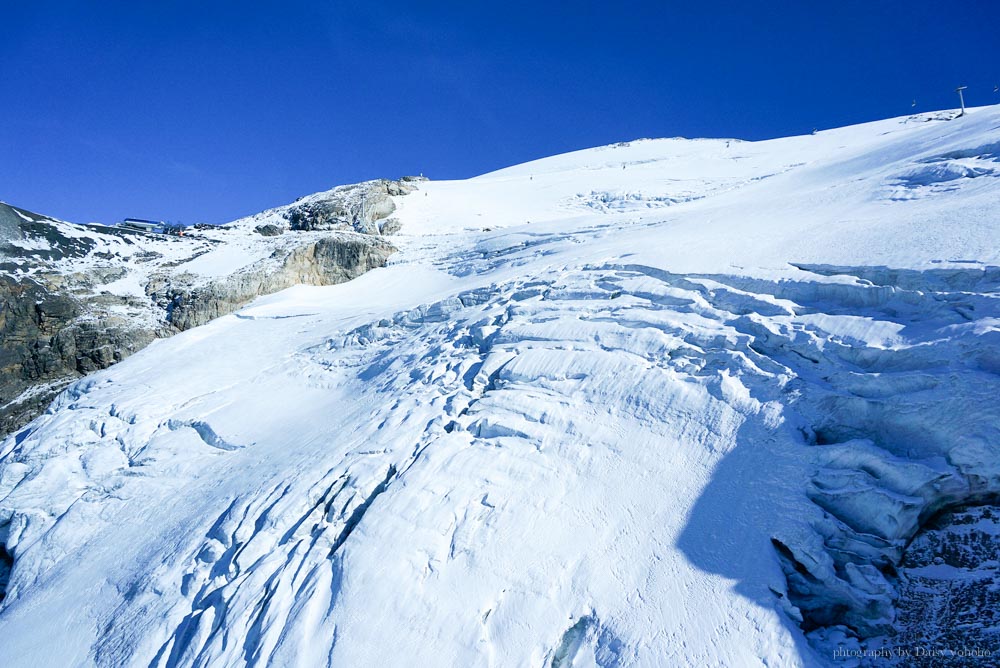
663 403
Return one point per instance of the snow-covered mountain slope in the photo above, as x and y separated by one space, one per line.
669 402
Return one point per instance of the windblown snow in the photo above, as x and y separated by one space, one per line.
663 403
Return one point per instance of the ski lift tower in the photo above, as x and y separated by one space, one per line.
961 100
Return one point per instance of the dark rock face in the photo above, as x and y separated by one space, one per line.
43 347
6 565
30 318
949 590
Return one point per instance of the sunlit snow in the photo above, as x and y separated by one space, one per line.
580 419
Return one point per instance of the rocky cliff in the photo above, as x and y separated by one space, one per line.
78 298
333 258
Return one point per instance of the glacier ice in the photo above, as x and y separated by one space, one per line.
735 430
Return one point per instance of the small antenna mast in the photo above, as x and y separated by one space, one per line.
961 100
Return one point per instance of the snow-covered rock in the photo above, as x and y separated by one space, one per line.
78 298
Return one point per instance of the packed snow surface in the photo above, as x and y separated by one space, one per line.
596 412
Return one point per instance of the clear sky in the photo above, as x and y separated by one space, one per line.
201 111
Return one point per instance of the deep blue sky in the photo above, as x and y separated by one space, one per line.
201 111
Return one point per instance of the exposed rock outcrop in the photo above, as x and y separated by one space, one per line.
327 261
948 598
45 342
268 230
358 207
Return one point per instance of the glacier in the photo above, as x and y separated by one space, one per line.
664 402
